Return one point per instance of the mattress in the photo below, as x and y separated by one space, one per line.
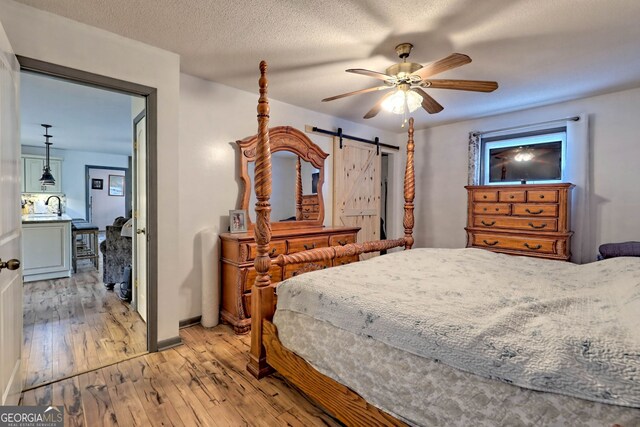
543 325
424 392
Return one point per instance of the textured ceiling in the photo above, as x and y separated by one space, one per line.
83 118
539 51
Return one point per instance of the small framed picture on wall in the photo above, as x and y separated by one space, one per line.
96 183
238 221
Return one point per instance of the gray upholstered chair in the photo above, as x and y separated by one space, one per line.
116 253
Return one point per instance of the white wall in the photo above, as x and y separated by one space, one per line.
614 129
212 118
47 37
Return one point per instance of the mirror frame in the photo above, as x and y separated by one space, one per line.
282 138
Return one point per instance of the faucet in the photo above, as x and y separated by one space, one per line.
59 204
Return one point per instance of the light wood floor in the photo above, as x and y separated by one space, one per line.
200 383
74 325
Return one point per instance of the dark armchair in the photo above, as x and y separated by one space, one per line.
116 253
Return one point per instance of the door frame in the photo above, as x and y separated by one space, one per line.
87 189
151 95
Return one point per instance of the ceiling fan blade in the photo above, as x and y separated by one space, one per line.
376 108
370 73
428 103
472 85
357 92
454 60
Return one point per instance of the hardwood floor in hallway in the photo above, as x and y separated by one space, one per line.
200 383
75 325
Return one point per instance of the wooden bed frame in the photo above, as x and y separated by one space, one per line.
267 353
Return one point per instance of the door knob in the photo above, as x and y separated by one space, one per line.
141 231
12 264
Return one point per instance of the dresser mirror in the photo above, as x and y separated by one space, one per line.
297 179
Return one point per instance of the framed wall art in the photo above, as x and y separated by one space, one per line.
116 185
97 183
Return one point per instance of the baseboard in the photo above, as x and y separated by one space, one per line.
169 343
189 322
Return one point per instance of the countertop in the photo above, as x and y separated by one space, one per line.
40 218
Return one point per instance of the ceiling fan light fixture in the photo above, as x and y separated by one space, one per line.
408 79
401 100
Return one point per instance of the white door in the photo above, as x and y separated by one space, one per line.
10 228
356 189
140 214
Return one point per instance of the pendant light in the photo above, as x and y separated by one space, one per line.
47 178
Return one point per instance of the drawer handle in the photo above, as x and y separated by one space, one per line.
484 197
342 242
512 196
533 248
273 251
485 209
542 196
307 209
313 246
537 227
488 224
491 244
534 213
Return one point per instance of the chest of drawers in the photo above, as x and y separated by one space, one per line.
531 220
238 273
310 207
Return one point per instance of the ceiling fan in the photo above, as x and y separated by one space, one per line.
409 78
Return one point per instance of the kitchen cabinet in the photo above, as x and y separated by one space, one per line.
32 171
46 247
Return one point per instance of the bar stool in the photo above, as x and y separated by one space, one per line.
85 243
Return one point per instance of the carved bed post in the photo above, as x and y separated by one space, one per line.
409 190
262 293
298 190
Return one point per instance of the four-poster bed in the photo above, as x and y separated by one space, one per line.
298 349
264 338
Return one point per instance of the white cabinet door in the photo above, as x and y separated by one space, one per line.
56 171
32 173
46 250
33 167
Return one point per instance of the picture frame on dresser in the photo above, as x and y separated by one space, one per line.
238 221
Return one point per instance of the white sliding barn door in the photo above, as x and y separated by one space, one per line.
356 189
10 228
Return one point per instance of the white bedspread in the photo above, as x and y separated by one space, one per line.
543 325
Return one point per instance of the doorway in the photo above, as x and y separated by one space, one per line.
91 343
108 194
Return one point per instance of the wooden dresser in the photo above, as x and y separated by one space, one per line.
238 273
531 220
